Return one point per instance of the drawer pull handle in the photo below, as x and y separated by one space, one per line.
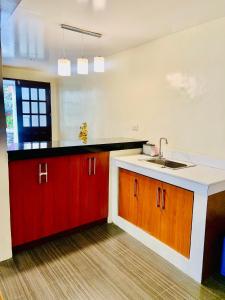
135 188
89 166
158 191
43 173
94 167
163 199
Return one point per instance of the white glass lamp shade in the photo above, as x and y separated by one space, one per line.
99 64
64 67
82 66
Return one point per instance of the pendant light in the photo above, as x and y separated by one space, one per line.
64 67
82 66
64 64
82 62
99 64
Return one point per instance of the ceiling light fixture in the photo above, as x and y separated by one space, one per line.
64 67
82 63
82 66
80 30
99 64
64 64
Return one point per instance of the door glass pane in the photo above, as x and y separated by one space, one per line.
34 107
42 108
27 146
43 145
43 121
35 145
35 121
25 93
33 93
26 107
42 94
26 121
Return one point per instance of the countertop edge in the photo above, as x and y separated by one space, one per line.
22 154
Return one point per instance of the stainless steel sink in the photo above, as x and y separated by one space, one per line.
168 163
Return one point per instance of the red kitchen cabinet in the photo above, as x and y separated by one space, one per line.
38 188
57 206
52 195
25 201
93 194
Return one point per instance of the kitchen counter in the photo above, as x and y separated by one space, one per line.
62 186
213 179
58 148
207 183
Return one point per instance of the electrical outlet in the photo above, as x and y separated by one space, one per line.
135 127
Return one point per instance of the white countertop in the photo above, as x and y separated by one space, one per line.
200 174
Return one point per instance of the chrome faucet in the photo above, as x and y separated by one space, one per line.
160 146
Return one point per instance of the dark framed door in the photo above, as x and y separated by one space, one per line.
33 111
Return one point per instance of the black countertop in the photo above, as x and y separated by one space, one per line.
59 148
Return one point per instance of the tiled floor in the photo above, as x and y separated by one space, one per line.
99 263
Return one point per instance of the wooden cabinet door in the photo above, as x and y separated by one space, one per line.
93 194
161 209
138 203
176 219
57 206
40 205
149 212
128 196
26 201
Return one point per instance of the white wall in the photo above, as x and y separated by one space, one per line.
79 101
29 74
173 87
5 230
5 233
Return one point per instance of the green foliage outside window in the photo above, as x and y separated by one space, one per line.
8 106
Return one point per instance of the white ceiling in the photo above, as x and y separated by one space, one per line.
32 37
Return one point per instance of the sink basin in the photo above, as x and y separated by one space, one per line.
167 163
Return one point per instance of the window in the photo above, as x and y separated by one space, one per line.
9 89
30 110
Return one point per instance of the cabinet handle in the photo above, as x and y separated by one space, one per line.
135 187
158 191
94 167
89 166
43 173
163 199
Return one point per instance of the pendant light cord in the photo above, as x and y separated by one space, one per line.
63 40
83 47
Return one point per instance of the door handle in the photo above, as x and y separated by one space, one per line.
89 166
43 173
94 166
163 199
158 191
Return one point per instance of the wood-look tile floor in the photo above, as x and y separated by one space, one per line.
99 263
